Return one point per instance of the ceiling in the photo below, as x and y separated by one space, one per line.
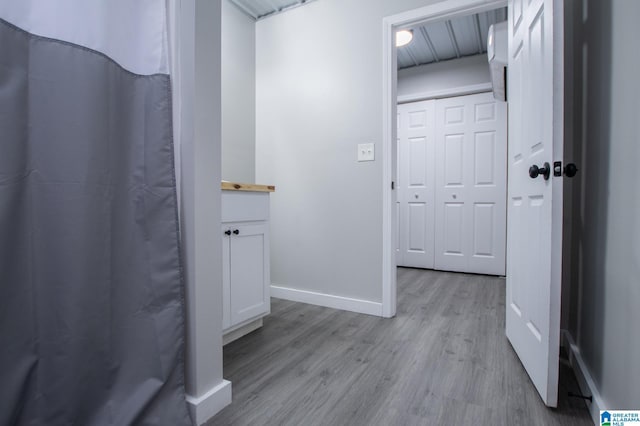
434 42
259 9
450 39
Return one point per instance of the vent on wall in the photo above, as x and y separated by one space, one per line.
450 39
259 9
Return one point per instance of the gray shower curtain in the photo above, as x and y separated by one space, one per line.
91 293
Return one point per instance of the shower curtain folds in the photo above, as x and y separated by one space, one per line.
91 291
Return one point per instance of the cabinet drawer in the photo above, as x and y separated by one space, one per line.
242 206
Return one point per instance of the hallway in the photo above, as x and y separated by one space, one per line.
443 360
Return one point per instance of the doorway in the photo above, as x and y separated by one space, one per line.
428 14
534 231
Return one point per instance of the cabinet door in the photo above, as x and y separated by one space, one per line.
249 271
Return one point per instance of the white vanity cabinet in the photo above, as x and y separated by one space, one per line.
245 257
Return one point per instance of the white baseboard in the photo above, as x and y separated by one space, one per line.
585 381
208 405
327 300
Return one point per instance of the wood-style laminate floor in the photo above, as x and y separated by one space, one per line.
443 360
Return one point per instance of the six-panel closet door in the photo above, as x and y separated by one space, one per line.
471 152
452 184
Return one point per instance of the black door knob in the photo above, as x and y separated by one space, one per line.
236 231
535 171
227 232
570 170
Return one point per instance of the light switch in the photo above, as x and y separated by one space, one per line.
366 152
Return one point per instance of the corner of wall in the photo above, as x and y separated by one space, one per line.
197 58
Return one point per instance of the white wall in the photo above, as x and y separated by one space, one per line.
196 61
429 81
605 315
238 94
318 95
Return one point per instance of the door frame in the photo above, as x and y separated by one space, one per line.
436 12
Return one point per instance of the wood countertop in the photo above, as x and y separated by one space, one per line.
252 187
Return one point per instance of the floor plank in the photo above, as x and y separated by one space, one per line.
443 360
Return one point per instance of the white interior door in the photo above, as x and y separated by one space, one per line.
415 204
471 174
534 229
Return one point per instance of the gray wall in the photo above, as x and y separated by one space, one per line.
319 94
196 72
453 74
238 95
605 300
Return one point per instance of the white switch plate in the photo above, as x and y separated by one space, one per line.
366 152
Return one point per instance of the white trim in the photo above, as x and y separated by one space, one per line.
435 12
389 100
585 381
470 89
208 405
327 300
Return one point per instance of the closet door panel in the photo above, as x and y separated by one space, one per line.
470 193
416 184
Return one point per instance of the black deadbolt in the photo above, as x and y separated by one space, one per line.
570 170
535 171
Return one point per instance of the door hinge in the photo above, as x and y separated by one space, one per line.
393 185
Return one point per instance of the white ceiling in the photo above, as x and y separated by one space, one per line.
450 39
259 9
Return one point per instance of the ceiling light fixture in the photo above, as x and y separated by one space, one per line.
403 37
